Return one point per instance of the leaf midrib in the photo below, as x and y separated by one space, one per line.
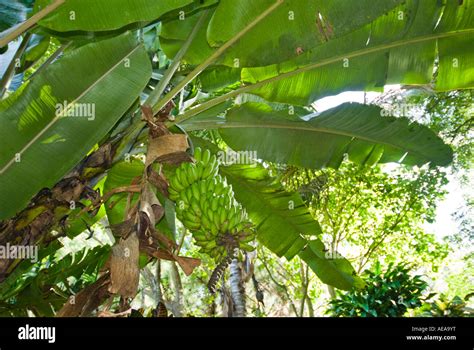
57 117
236 125
309 67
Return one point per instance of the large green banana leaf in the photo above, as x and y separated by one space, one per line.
284 224
337 272
272 209
354 129
174 33
31 285
400 47
38 145
100 15
293 27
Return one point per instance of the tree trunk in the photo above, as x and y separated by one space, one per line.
237 289
178 287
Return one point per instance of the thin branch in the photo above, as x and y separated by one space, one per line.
310 303
10 72
467 123
304 288
178 288
159 295
375 244
280 286
181 241
19 29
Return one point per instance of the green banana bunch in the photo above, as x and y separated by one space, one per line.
205 204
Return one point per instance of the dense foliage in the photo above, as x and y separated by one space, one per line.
107 109
388 293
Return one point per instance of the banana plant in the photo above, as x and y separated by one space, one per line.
249 71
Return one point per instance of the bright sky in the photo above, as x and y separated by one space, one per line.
444 224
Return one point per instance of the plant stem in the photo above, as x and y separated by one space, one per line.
304 288
10 72
196 71
160 88
178 287
237 290
19 29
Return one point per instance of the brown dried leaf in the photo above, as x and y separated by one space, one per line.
87 300
164 113
187 264
158 180
155 252
164 145
148 200
124 270
175 158
101 158
147 113
67 190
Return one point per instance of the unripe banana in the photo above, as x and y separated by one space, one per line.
214 230
246 246
203 188
206 224
192 225
206 156
192 173
197 154
181 177
174 182
205 204
196 208
222 215
210 215
210 245
248 238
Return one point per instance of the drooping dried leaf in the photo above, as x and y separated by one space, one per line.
164 145
158 180
187 264
68 190
152 249
164 113
87 300
148 200
124 269
175 158
101 158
